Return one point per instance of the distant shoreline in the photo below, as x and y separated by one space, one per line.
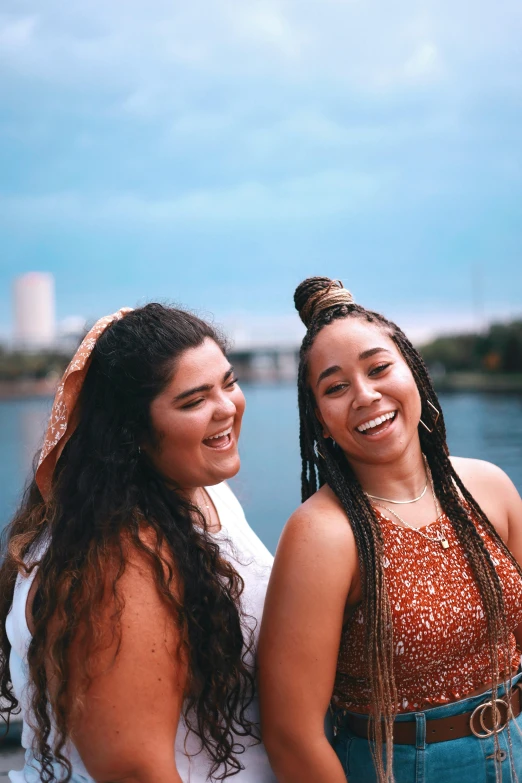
501 383
29 387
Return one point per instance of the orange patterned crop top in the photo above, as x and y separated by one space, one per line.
439 626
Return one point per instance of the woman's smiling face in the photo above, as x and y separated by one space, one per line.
366 397
197 420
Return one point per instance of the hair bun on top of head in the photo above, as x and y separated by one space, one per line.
316 294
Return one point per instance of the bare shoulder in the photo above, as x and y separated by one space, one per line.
315 570
494 492
480 475
319 529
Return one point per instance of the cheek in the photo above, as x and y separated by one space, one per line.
181 434
331 413
406 390
239 401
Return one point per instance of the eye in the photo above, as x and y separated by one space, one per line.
232 383
191 404
336 388
379 369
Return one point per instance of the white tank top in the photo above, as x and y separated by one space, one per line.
253 562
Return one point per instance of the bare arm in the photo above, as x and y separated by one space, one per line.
299 643
125 731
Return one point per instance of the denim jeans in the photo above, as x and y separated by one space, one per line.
463 760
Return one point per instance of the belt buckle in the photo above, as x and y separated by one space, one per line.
498 722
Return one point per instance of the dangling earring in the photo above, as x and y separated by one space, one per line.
437 414
316 451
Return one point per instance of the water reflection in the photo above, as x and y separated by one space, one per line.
22 426
486 427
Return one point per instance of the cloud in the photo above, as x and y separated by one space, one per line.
326 193
17 33
396 125
144 45
424 65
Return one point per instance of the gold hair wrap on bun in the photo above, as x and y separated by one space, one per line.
333 294
65 415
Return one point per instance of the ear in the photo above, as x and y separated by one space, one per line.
326 434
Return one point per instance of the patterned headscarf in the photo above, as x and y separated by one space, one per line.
65 414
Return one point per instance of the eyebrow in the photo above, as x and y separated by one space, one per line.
335 367
372 352
205 388
325 373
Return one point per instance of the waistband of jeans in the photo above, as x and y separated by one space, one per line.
466 704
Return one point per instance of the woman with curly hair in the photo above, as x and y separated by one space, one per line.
131 584
396 593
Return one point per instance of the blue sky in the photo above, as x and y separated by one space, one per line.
216 152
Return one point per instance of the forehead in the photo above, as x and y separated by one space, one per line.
196 366
341 342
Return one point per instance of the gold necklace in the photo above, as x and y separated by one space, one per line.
401 502
405 502
441 536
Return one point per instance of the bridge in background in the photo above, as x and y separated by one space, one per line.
266 363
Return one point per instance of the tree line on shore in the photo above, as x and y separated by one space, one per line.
497 350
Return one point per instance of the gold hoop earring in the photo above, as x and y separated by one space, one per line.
437 414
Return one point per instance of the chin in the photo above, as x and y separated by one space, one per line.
223 472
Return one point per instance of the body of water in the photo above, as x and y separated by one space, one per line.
483 426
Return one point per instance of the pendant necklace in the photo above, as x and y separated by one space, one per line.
441 537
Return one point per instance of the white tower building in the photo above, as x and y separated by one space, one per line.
34 310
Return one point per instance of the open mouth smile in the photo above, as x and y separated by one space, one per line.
221 440
377 425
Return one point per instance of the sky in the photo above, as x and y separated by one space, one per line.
216 152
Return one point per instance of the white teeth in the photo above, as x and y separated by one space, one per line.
375 422
220 434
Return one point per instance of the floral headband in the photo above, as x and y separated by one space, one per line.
65 414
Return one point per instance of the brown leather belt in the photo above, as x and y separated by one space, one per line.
481 722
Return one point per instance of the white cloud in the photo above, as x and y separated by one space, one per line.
424 65
17 32
263 24
147 44
323 194
264 110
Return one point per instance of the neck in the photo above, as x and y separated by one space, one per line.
195 495
401 479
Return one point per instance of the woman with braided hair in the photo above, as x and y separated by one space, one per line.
396 594
132 585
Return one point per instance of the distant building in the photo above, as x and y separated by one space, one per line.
34 311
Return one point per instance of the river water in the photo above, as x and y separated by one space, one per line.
479 425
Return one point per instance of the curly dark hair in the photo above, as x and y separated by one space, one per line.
333 468
103 490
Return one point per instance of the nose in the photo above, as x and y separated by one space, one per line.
225 408
365 394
